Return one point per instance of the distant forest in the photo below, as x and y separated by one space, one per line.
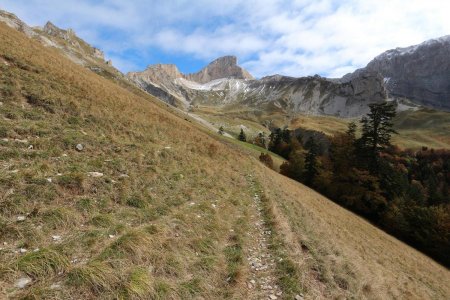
404 192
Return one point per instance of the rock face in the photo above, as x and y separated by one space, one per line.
222 82
12 21
65 41
420 73
416 75
166 82
223 67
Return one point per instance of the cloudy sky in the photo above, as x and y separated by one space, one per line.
297 37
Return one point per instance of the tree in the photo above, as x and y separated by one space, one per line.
311 164
376 133
266 159
221 130
342 151
294 167
242 137
260 140
275 139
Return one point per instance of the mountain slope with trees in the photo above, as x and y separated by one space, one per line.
405 192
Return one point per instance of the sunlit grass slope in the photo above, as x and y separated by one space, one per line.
152 207
421 128
145 210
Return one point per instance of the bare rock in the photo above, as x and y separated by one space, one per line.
22 282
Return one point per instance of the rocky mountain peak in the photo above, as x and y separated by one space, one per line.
53 30
169 70
223 67
419 72
224 61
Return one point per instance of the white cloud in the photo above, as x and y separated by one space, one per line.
297 38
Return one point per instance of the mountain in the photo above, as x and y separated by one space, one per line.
108 193
413 76
165 80
223 67
224 83
420 73
67 42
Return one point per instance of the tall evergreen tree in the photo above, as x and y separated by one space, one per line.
376 133
242 137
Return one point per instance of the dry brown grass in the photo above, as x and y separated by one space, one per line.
342 255
150 217
158 223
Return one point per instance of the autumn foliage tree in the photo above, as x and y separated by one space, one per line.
405 192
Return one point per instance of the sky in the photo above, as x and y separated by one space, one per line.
295 38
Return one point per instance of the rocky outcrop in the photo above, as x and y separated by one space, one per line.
289 95
12 21
223 67
66 41
420 73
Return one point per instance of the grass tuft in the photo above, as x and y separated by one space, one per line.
133 245
43 263
97 276
102 220
139 285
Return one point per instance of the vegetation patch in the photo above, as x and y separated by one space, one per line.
43 263
96 276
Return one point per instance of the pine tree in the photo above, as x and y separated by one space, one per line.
376 133
275 140
242 137
311 164
221 130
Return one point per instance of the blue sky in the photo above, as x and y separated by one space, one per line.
296 38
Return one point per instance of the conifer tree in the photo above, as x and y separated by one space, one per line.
242 137
221 130
376 133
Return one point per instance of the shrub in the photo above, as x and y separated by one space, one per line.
266 159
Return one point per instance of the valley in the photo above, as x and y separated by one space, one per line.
118 186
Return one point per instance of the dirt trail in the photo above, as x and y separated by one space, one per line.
262 280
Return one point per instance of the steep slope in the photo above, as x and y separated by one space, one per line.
150 206
420 73
67 42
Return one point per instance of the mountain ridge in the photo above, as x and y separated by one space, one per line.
311 95
412 76
419 72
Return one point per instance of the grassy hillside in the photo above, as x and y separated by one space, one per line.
423 128
416 129
153 207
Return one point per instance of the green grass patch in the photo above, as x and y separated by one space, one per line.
133 245
96 276
139 285
42 263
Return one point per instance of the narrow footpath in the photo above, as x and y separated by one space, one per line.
262 280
